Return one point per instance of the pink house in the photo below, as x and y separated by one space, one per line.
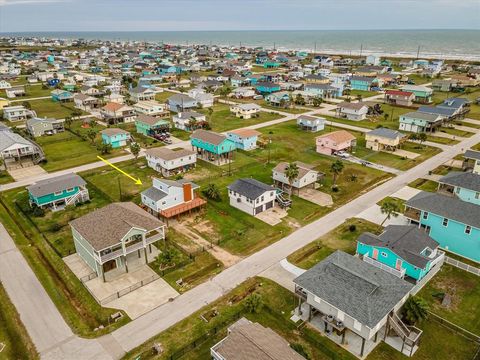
335 141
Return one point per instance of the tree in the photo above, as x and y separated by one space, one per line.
346 92
291 173
76 113
212 192
135 149
225 90
422 137
105 148
91 134
192 124
359 97
414 309
299 100
210 113
68 121
389 208
336 168
317 101
413 136
254 303
168 257
26 105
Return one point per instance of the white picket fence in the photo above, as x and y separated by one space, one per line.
463 266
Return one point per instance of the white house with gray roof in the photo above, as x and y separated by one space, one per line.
39 127
251 196
107 238
170 162
14 148
354 303
472 156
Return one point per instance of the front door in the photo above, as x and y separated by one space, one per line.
398 264
375 254
109 265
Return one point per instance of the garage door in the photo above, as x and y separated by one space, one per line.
269 205
258 210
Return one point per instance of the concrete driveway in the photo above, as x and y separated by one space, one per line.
316 197
272 216
374 214
26 172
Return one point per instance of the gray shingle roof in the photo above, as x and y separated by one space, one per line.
59 183
422 116
9 138
387 133
448 207
154 194
472 154
107 226
437 110
407 241
250 188
360 290
208 136
466 180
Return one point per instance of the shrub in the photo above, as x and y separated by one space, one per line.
254 303
38 212
301 350
352 228
55 227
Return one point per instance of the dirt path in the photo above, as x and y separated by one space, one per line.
220 254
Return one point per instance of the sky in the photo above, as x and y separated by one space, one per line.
164 15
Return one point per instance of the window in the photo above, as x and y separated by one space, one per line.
57 193
425 215
457 190
468 229
70 190
445 222
477 195
384 254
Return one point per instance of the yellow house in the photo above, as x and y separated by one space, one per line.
384 139
3 103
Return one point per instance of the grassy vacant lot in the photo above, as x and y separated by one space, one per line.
442 140
77 306
278 304
456 132
419 79
13 334
363 93
66 150
32 91
424 184
117 186
5 177
241 233
222 119
343 238
163 96
464 288
52 109
395 161
144 141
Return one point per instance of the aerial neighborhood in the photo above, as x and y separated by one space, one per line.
237 202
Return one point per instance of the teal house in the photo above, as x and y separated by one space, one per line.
451 216
271 64
361 83
149 125
402 250
423 94
115 137
58 192
267 87
59 95
211 146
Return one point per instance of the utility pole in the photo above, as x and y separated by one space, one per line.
119 189
418 52
315 48
361 49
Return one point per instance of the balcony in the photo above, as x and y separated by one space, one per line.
398 273
111 255
412 214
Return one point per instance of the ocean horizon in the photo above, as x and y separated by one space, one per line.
447 44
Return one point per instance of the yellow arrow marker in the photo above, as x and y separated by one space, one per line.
137 181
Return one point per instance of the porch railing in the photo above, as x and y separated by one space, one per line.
397 273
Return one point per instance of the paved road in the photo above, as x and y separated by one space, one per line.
158 320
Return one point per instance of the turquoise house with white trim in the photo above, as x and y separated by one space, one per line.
115 137
402 250
451 216
362 83
211 146
58 192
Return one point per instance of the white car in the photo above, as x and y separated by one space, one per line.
342 154
258 97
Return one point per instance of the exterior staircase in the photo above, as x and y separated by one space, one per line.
410 335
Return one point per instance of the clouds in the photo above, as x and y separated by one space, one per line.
157 15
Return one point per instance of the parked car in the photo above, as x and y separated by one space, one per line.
342 154
258 97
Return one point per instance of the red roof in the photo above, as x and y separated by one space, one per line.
398 92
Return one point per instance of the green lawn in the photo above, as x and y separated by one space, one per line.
5 177
441 140
436 342
163 96
32 91
278 304
400 203
243 234
49 108
222 119
419 79
77 306
13 334
343 238
476 147
456 132
464 288
424 185
144 141
66 150
365 94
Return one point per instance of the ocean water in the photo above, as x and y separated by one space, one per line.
455 44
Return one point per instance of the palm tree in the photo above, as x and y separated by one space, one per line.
336 168
390 208
422 137
291 173
415 309
92 134
212 192
135 149
68 122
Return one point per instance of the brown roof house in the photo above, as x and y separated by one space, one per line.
112 236
248 341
